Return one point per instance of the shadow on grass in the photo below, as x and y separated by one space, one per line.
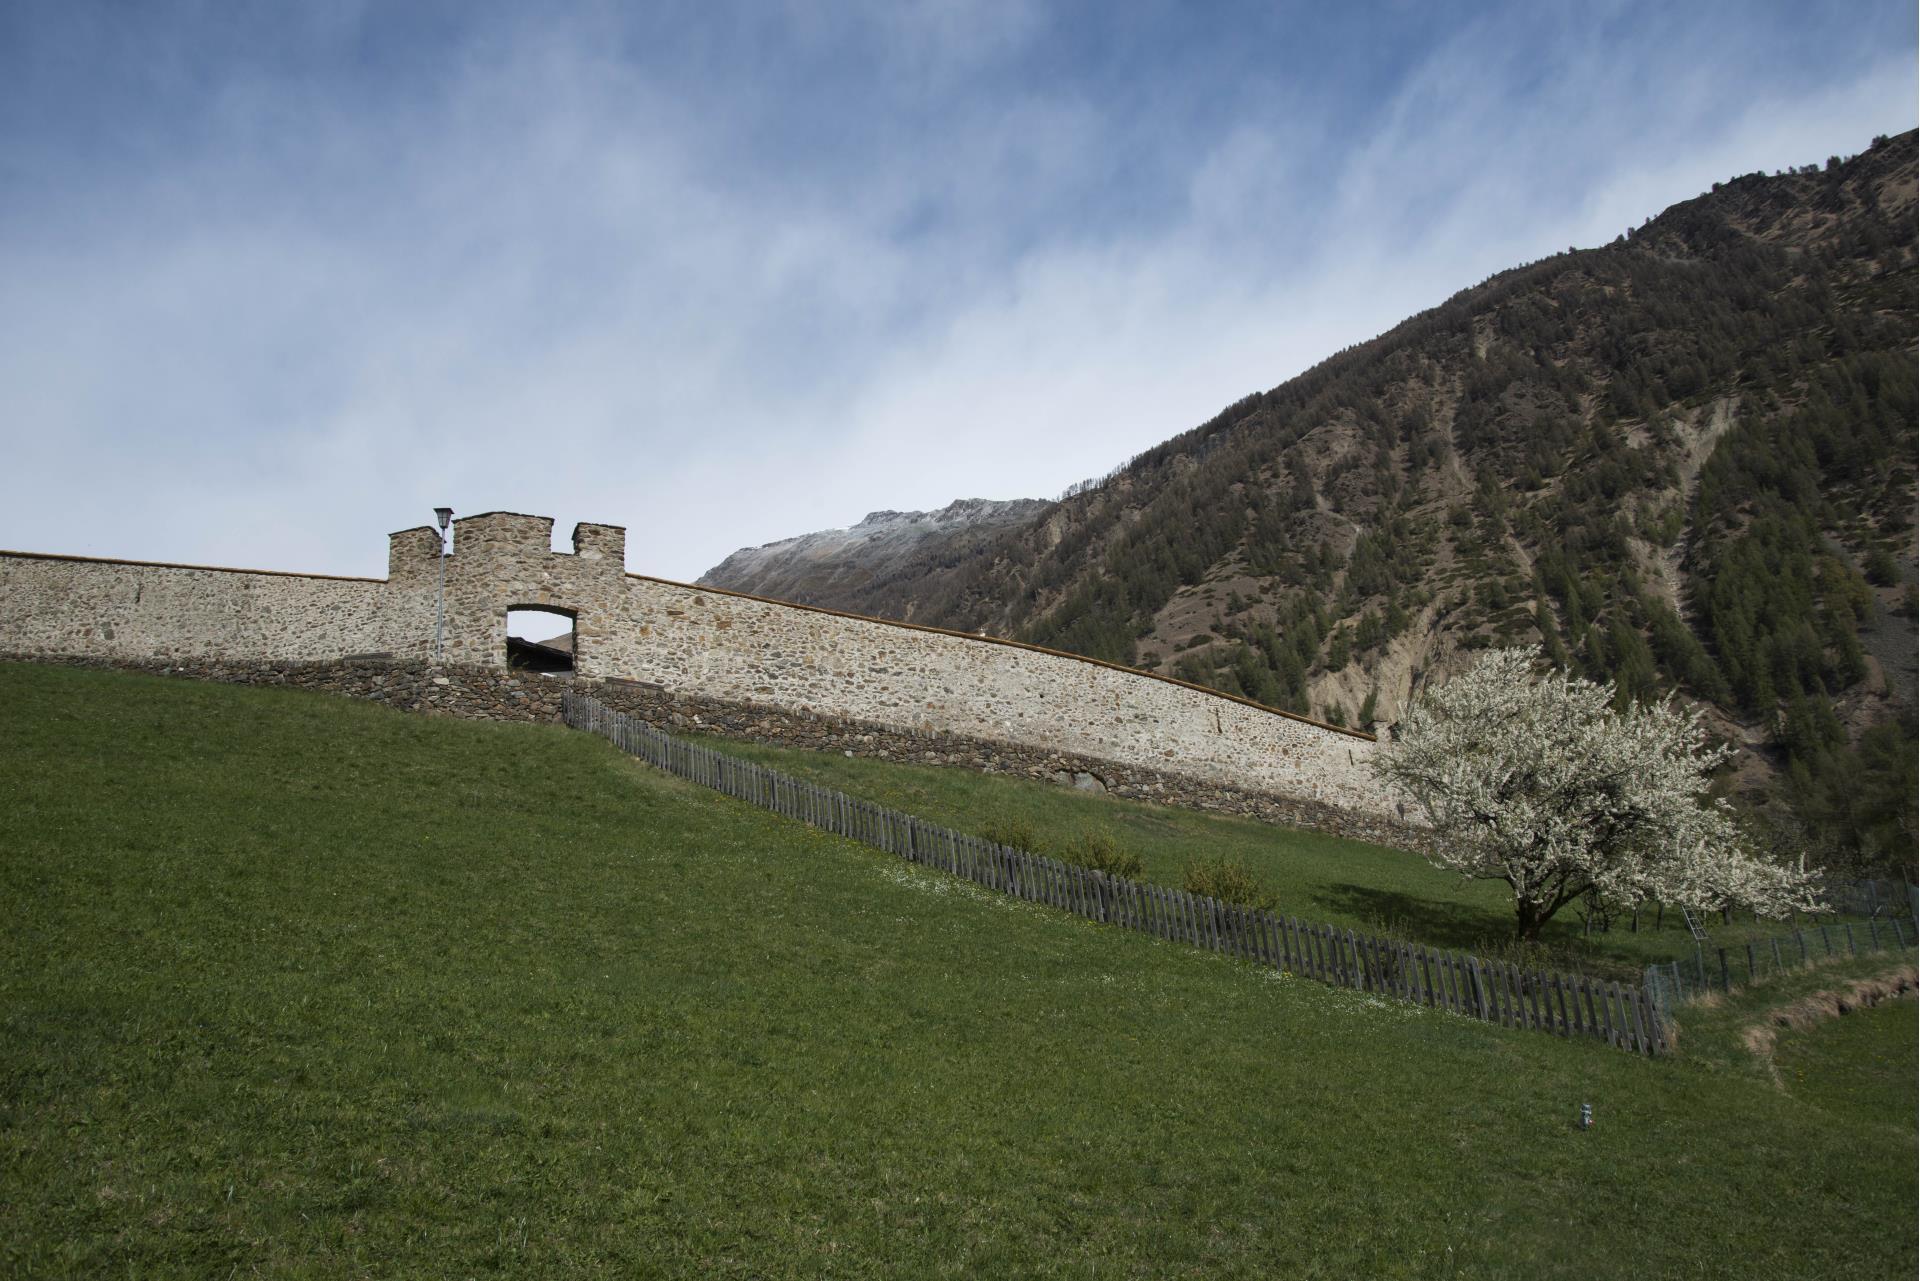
1436 924
1484 931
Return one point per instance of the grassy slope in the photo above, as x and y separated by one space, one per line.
1861 1065
297 986
1318 878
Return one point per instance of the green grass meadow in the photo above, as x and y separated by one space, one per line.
294 986
1319 878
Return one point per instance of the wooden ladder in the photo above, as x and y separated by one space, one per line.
1693 925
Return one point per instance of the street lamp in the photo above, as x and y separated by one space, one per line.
443 515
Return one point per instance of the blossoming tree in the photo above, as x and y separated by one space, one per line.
1536 780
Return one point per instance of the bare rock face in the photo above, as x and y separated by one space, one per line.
850 568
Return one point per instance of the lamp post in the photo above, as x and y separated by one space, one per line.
443 515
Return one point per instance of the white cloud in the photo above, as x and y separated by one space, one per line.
551 282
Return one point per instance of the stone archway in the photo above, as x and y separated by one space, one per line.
540 638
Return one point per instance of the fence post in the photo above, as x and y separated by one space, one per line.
1726 984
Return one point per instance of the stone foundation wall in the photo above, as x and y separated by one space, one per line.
484 693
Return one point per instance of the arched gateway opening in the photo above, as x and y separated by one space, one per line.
540 640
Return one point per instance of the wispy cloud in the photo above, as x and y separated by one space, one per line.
726 277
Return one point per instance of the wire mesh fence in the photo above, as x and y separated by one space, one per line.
1721 969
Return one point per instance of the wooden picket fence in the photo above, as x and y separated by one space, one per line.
1566 1005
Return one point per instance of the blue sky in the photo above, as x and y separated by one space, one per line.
281 278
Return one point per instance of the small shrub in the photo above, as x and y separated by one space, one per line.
1099 851
1230 881
1015 832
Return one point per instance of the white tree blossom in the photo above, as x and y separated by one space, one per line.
1537 781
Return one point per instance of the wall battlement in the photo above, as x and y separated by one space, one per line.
680 638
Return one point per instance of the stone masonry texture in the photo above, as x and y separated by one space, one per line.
670 652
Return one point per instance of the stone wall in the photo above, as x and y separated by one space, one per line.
746 650
128 610
692 642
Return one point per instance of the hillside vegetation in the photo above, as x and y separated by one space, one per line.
293 986
1324 879
1684 461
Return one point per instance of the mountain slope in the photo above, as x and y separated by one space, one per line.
1684 461
834 566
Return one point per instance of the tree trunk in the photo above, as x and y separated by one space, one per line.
1533 914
